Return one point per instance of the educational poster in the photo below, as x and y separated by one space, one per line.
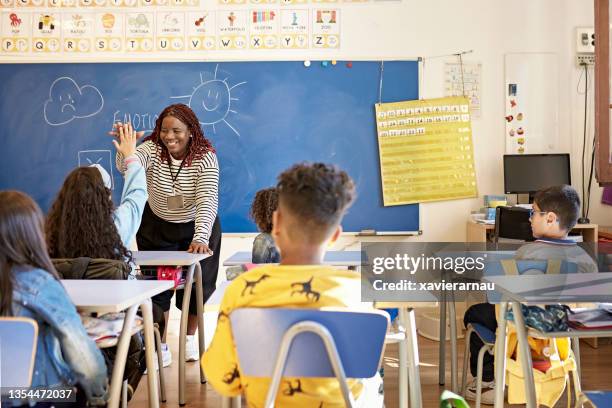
16 32
263 1
324 1
464 80
7 3
294 28
232 29
263 29
201 28
170 33
78 29
139 32
326 28
232 2
108 27
46 32
426 150
531 103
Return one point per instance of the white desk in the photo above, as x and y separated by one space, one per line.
332 258
542 289
182 258
112 296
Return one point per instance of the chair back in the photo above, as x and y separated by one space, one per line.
512 223
309 343
18 336
359 338
520 267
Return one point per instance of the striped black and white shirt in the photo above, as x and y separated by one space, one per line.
197 183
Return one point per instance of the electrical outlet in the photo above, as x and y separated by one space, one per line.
588 59
585 40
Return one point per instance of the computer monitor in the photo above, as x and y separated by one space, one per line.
528 173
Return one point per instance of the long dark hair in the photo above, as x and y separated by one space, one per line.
22 242
80 222
198 144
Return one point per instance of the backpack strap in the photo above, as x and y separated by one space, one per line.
509 266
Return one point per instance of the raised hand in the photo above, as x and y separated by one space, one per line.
127 138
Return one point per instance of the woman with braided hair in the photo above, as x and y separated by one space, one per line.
181 213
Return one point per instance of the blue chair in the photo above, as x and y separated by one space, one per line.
488 338
18 336
597 399
308 343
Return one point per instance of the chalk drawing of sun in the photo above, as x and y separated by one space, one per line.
211 100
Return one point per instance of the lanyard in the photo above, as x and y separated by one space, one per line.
177 173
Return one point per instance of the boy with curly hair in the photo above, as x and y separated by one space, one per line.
312 199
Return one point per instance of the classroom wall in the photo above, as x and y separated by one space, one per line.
409 29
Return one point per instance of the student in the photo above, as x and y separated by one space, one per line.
555 212
312 201
30 287
264 205
181 213
83 222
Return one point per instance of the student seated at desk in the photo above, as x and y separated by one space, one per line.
30 287
555 212
312 200
264 248
83 222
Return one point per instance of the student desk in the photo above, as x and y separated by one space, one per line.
181 258
542 289
112 296
332 258
408 347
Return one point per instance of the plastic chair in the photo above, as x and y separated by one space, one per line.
597 399
18 336
308 343
488 338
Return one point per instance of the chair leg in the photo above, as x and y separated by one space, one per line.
481 354
124 394
466 359
160 364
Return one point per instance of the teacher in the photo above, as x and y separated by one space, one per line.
181 213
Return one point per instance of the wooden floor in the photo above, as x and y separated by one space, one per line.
596 365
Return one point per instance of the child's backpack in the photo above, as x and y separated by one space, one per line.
91 268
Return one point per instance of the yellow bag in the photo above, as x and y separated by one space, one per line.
549 386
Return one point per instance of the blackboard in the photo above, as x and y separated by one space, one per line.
261 117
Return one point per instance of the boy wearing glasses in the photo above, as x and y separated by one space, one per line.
555 212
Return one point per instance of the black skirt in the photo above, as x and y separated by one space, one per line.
156 234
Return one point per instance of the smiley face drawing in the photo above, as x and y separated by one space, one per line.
211 100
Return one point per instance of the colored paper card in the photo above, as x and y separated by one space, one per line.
326 28
139 31
78 30
46 32
201 28
232 2
170 34
232 29
30 3
7 3
294 28
109 33
16 29
426 151
292 2
263 29
324 1
263 1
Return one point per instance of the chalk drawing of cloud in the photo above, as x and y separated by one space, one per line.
67 101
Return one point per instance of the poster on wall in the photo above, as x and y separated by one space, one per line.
426 151
531 92
464 80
